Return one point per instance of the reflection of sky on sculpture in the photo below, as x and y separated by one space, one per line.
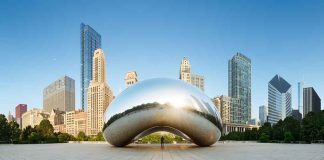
175 92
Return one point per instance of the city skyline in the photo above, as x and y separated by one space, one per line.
202 41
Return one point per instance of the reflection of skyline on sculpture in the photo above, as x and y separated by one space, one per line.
147 95
162 104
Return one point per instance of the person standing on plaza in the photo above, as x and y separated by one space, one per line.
162 142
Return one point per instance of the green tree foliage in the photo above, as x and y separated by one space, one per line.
289 130
34 137
100 137
264 138
267 129
25 133
46 131
156 138
14 132
64 137
82 136
312 125
4 129
289 137
293 126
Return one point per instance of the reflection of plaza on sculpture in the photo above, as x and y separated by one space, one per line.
162 105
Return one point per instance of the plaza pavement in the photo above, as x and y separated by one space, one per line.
219 151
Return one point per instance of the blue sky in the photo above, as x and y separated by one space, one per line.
40 42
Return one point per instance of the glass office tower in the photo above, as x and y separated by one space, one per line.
90 41
279 99
239 86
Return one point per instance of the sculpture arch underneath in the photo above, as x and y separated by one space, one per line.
162 105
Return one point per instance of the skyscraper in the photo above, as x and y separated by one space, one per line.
239 86
131 78
90 41
312 102
279 99
99 95
10 117
263 114
60 95
187 76
300 97
20 110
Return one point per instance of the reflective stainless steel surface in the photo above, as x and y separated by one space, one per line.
162 105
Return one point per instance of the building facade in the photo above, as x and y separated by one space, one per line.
198 81
33 117
99 95
185 73
227 108
10 117
239 86
90 40
300 97
187 76
131 78
279 99
20 110
235 127
56 117
60 95
312 102
263 114
75 122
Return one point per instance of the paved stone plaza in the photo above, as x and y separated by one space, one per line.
219 151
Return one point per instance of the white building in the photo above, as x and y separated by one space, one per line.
279 99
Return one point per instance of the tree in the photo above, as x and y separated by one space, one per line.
45 127
288 137
100 137
46 131
25 133
264 138
63 137
4 129
267 129
82 136
278 131
293 126
14 132
309 128
34 137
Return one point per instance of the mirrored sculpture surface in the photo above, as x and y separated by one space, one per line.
162 105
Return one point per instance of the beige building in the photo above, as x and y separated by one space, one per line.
33 117
198 81
75 121
56 117
59 128
235 127
60 95
226 107
131 78
99 95
187 76
10 117
80 122
69 122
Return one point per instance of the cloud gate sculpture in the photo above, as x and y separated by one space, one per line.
162 105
